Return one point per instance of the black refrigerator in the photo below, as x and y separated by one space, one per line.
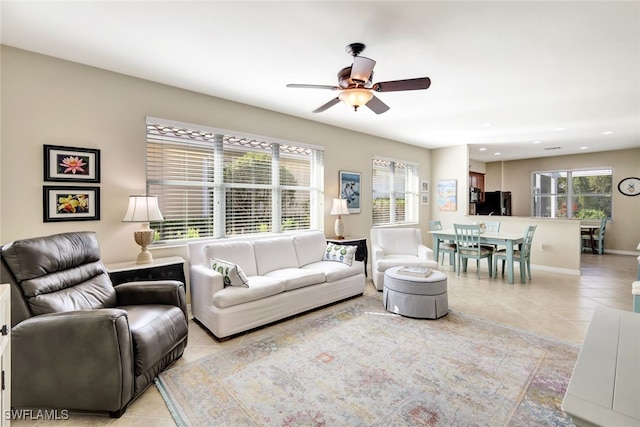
495 203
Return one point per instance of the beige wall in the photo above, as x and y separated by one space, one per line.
51 101
622 233
450 163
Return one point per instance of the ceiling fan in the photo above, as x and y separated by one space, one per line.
356 89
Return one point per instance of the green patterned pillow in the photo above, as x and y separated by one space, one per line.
232 274
340 253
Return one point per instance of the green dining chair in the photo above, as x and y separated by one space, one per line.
522 255
468 247
492 227
444 247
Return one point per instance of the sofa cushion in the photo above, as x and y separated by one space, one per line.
401 241
155 330
295 278
259 287
336 270
232 275
309 247
274 254
240 253
340 253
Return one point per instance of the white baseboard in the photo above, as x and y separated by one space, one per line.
617 252
568 271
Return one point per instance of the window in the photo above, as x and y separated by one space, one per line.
215 183
395 192
580 194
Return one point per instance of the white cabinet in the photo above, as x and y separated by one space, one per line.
5 355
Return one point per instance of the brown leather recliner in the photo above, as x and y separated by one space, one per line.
78 342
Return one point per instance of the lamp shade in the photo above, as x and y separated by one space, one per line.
355 97
143 208
339 207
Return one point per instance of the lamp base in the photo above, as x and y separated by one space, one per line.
144 238
144 258
339 228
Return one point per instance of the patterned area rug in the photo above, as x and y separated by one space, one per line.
358 365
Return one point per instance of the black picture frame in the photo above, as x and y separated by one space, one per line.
70 203
71 164
350 190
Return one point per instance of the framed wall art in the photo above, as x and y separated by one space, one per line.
448 195
62 203
424 198
424 187
350 190
71 164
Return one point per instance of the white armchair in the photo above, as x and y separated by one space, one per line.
393 247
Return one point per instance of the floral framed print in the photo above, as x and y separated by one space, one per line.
350 190
61 203
71 164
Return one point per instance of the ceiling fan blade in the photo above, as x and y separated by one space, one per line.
407 84
326 106
361 69
376 105
304 86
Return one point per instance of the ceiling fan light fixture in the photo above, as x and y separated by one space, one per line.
355 97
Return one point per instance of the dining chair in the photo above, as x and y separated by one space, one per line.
444 247
597 235
492 227
522 255
468 247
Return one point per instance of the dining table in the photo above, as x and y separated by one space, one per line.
510 240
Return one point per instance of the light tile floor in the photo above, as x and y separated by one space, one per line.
552 304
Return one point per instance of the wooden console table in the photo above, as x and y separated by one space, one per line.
605 384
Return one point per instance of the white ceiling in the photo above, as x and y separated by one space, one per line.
526 68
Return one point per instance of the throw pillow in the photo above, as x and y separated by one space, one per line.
340 253
232 274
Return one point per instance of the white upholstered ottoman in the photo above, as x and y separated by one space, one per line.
420 297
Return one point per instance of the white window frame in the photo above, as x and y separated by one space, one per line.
410 191
570 194
211 141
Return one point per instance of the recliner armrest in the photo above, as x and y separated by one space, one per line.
167 292
78 359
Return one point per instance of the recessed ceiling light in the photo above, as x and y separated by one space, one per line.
483 149
497 154
536 142
561 129
584 148
486 125
607 132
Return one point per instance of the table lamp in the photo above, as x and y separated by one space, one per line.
143 208
339 208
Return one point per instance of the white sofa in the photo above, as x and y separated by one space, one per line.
394 247
286 276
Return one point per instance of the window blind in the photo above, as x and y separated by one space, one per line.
395 191
215 183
